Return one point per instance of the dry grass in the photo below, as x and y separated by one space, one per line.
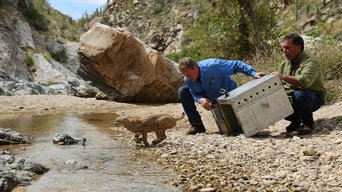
325 52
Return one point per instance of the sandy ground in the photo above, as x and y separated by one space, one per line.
214 162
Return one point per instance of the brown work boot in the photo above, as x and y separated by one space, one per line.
196 129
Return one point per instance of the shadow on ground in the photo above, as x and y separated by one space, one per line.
323 126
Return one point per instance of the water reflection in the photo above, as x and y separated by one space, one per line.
99 120
32 125
106 158
44 125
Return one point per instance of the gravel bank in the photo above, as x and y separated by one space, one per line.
268 161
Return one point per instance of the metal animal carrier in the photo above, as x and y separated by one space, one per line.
252 107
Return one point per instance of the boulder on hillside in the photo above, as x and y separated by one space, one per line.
124 67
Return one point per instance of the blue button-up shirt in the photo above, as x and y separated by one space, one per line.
216 74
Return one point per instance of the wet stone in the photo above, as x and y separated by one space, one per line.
7 136
65 139
35 167
17 171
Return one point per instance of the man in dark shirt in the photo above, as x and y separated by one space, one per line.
302 79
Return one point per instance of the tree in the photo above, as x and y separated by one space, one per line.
232 28
248 7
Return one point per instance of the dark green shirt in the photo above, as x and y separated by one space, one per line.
308 72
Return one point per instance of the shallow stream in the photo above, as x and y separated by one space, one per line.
101 165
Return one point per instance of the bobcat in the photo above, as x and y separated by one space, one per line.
153 123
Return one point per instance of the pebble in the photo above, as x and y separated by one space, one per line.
309 152
212 162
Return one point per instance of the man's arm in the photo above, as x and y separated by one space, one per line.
290 79
309 72
242 67
258 75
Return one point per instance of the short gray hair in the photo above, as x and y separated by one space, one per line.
187 62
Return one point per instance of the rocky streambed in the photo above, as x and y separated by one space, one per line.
218 163
268 161
15 170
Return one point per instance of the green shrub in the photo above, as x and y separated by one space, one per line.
35 17
53 23
29 61
327 53
59 55
185 52
226 30
157 10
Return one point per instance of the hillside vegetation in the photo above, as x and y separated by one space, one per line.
43 18
248 30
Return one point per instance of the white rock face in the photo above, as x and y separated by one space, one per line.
45 73
73 61
5 55
25 34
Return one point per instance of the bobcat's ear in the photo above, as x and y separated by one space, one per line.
123 114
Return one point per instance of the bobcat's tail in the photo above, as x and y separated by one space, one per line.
180 117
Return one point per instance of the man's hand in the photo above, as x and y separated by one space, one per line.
290 79
258 75
281 77
206 103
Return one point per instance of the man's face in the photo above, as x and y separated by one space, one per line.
191 74
290 50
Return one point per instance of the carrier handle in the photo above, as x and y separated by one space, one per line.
223 91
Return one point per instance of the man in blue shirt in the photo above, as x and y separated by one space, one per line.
203 83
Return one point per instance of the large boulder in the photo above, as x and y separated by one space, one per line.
124 67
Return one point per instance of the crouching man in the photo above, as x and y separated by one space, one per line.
302 79
204 80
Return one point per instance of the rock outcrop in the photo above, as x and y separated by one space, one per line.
124 67
27 65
